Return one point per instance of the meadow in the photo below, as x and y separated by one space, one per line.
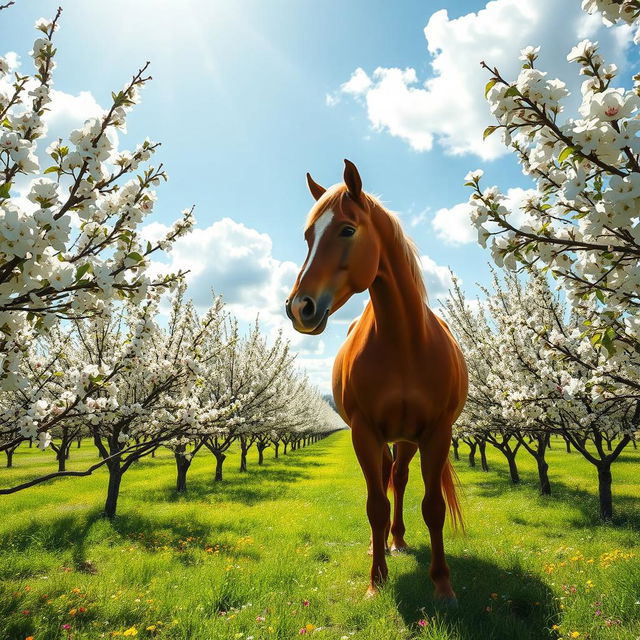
281 551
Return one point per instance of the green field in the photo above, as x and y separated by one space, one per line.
282 550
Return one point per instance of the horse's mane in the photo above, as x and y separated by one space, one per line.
334 196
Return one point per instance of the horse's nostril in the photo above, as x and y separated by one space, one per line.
309 308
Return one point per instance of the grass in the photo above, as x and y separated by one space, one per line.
265 554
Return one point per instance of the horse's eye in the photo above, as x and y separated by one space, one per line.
347 232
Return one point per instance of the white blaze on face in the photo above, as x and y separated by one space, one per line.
319 227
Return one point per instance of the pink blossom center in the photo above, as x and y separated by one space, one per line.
611 111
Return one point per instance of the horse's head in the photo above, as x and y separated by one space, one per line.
344 251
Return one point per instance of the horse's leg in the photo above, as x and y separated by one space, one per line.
387 464
369 451
433 457
399 478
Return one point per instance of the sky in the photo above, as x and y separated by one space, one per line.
249 95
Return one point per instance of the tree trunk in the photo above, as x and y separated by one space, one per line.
568 445
455 444
30 443
545 485
513 467
113 490
220 457
260 454
62 458
243 459
472 454
482 445
604 490
79 442
9 453
276 446
182 466
285 448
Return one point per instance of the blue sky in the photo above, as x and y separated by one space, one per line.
247 97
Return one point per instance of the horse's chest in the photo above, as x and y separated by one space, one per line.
387 387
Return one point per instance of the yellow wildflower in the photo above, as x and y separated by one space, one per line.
131 631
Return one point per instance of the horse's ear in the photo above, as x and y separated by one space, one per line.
315 188
352 179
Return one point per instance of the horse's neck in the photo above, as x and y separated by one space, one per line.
397 303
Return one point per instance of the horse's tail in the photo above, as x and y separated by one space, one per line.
450 482
394 455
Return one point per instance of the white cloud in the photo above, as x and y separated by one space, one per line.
453 225
436 278
13 60
358 83
68 112
419 217
236 262
450 105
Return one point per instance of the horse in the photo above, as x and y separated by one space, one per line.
400 376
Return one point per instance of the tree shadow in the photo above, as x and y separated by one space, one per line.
269 481
626 507
493 602
248 489
77 533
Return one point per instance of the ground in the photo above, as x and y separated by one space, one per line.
282 551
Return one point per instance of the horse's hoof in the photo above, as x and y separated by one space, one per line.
372 592
399 548
449 602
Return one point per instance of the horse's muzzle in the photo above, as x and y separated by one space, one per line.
309 315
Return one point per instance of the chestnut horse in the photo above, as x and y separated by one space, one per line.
399 377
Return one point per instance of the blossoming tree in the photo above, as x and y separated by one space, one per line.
581 221
77 243
522 389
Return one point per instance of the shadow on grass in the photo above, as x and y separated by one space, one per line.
269 481
493 602
626 508
247 489
78 533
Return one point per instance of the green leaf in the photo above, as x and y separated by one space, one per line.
5 190
600 296
607 341
488 131
511 91
134 255
82 270
53 169
489 85
565 154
